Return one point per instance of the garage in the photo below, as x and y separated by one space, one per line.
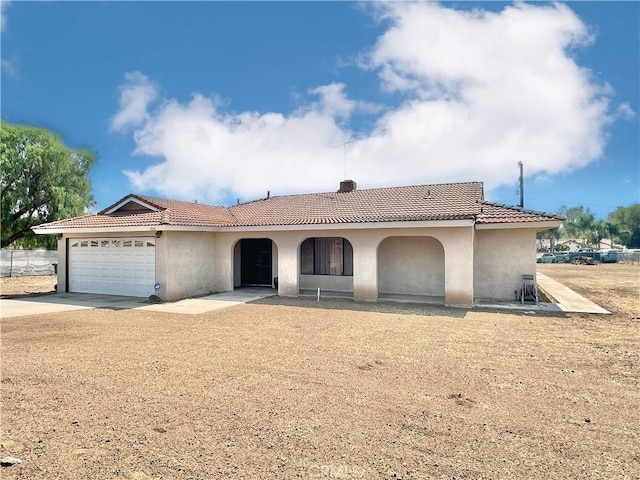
112 266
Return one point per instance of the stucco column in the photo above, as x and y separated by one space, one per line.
287 266
458 261
62 264
224 261
365 267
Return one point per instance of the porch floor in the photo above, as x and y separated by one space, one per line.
406 298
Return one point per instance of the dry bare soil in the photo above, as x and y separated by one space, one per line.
293 388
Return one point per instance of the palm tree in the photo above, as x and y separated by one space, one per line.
600 230
585 225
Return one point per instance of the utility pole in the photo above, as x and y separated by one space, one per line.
521 183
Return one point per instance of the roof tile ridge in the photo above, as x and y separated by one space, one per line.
522 209
86 215
166 217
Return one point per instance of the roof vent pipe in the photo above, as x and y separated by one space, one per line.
347 186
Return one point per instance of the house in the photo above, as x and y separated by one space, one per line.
440 241
572 244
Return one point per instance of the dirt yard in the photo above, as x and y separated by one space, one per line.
293 388
28 284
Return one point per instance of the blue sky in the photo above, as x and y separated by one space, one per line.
217 101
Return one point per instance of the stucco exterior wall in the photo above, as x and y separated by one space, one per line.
457 243
62 264
237 271
411 265
331 283
502 257
185 264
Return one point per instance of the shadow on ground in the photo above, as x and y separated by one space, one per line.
380 306
402 308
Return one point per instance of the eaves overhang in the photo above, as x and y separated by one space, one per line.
538 226
257 228
96 230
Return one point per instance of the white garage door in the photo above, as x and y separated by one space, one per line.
113 266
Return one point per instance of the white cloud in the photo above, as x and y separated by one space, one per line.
3 16
135 96
625 111
8 68
482 91
207 153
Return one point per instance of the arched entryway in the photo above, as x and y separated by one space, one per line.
254 262
326 263
411 266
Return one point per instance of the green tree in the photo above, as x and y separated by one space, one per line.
41 180
585 224
625 223
553 234
575 222
600 230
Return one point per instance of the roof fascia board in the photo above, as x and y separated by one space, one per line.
303 227
97 230
258 228
126 200
540 226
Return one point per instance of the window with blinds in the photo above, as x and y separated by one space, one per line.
327 256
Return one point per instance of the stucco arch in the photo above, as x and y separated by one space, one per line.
411 265
333 273
265 275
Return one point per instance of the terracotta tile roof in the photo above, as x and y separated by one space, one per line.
451 201
414 203
169 212
495 213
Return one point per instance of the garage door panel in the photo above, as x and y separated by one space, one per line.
121 266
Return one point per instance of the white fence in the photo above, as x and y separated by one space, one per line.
16 263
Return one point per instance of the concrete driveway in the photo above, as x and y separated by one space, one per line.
64 302
568 301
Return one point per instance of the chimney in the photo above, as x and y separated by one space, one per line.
347 186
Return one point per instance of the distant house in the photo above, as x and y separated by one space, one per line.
576 243
440 241
572 244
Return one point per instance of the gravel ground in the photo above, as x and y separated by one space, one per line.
289 388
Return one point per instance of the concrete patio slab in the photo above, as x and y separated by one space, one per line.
566 299
64 302
194 306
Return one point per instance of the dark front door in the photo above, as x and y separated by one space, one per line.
255 261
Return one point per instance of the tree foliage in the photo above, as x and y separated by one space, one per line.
578 220
553 234
624 224
41 180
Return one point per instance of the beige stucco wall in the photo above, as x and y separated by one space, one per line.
411 265
502 257
62 264
331 283
237 270
185 264
426 260
457 243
